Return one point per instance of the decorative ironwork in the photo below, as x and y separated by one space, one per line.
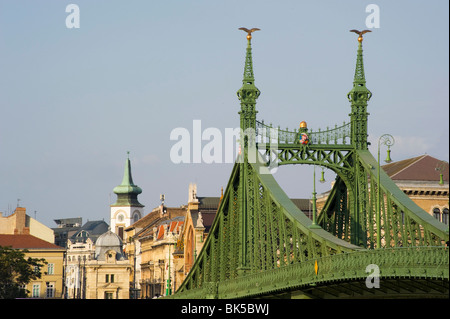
261 244
339 135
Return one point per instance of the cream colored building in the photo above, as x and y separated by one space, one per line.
107 275
20 223
157 242
79 252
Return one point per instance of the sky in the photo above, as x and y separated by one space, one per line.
74 101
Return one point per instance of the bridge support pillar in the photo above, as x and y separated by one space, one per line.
212 290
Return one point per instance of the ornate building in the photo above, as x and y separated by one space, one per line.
163 245
80 250
151 244
108 273
200 215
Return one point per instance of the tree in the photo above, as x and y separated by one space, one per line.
17 271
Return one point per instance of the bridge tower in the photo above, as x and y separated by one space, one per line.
359 96
247 94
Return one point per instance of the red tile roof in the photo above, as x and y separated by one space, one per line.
421 168
24 241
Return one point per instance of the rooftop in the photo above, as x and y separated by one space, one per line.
25 241
420 168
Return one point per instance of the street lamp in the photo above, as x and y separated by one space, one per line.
440 167
322 177
314 200
387 140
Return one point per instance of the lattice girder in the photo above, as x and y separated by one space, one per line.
402 222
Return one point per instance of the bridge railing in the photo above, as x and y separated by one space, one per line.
408 262
339 135
412 262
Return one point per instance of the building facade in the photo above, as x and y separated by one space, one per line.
80 251
50 285
163 245
107 274
150 246
425 180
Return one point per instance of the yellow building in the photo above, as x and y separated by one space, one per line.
107 275
163 245
50 285
20 223
150 247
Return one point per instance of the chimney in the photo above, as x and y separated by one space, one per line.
21 218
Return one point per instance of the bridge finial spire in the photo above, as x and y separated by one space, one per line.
248 93
359 79
359 96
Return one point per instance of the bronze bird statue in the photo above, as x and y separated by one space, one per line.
249 32
360 33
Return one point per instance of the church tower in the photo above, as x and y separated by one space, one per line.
127 209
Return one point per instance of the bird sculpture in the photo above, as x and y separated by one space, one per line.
360 33
249 32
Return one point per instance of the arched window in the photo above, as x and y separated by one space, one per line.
437 213
445 216
136 216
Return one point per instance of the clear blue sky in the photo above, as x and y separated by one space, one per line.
74 101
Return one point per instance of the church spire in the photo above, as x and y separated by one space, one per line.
359 96
127 191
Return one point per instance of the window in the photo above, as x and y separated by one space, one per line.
109 278
50 290
50 269
108 295
437 213
36 291
445 216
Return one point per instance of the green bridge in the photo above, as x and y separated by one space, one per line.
370 240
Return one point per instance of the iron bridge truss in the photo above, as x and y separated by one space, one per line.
262 245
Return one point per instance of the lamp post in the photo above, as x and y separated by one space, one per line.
169 281
440 167
314 202
387 140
